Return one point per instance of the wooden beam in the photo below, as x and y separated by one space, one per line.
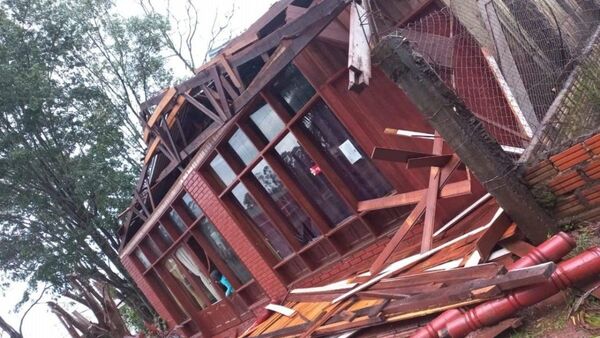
412 218
288 49
399 293
313 17
233 74
459 292
449 190
465 134
482 271
432 197
175 111
151 150
219 86
359 51
428 161
212 97
202 108
486 243
158 111
396 155
331 310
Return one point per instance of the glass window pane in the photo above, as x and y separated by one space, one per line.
309 177
243 147
204 282
215 239
177 221
302 226
153 247
142 258
291 86
350 162
191 206
267 121
164 235
222 170
184 282
272 236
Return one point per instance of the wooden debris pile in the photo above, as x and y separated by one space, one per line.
468 264
477 257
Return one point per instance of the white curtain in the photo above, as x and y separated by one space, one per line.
187 261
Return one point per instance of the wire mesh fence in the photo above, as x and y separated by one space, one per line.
529 70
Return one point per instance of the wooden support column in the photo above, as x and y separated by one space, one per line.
432 197
447 113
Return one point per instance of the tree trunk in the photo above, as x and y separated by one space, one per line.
12 333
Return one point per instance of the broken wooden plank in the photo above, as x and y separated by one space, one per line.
158 111
402 264
517 247
482 271
462 292
202 108
408 133
486 243
428 161
398 293
332 310
450 190
151 150
486 292
396 155
412 218
359 52
432 197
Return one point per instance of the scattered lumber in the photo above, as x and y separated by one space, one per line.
467 266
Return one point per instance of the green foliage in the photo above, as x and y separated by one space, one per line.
544 196
132 318
71 77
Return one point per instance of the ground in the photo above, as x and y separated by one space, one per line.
556 317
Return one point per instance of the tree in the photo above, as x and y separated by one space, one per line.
71 74
11 331
180 41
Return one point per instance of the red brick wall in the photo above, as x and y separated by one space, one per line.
357 262
153 298
216 212
572 177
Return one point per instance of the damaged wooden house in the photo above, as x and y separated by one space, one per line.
292 174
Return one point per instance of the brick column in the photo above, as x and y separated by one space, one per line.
224 222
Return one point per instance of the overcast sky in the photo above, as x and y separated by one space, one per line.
40 322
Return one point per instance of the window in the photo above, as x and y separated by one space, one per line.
217 242
177 221
267 121
292 88
243 147
308 175
222 170
173 268
164 235
351 163
274 239
191 206
304 229
202 280
142 258
153 247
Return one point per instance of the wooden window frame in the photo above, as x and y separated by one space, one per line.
292 125
157 270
